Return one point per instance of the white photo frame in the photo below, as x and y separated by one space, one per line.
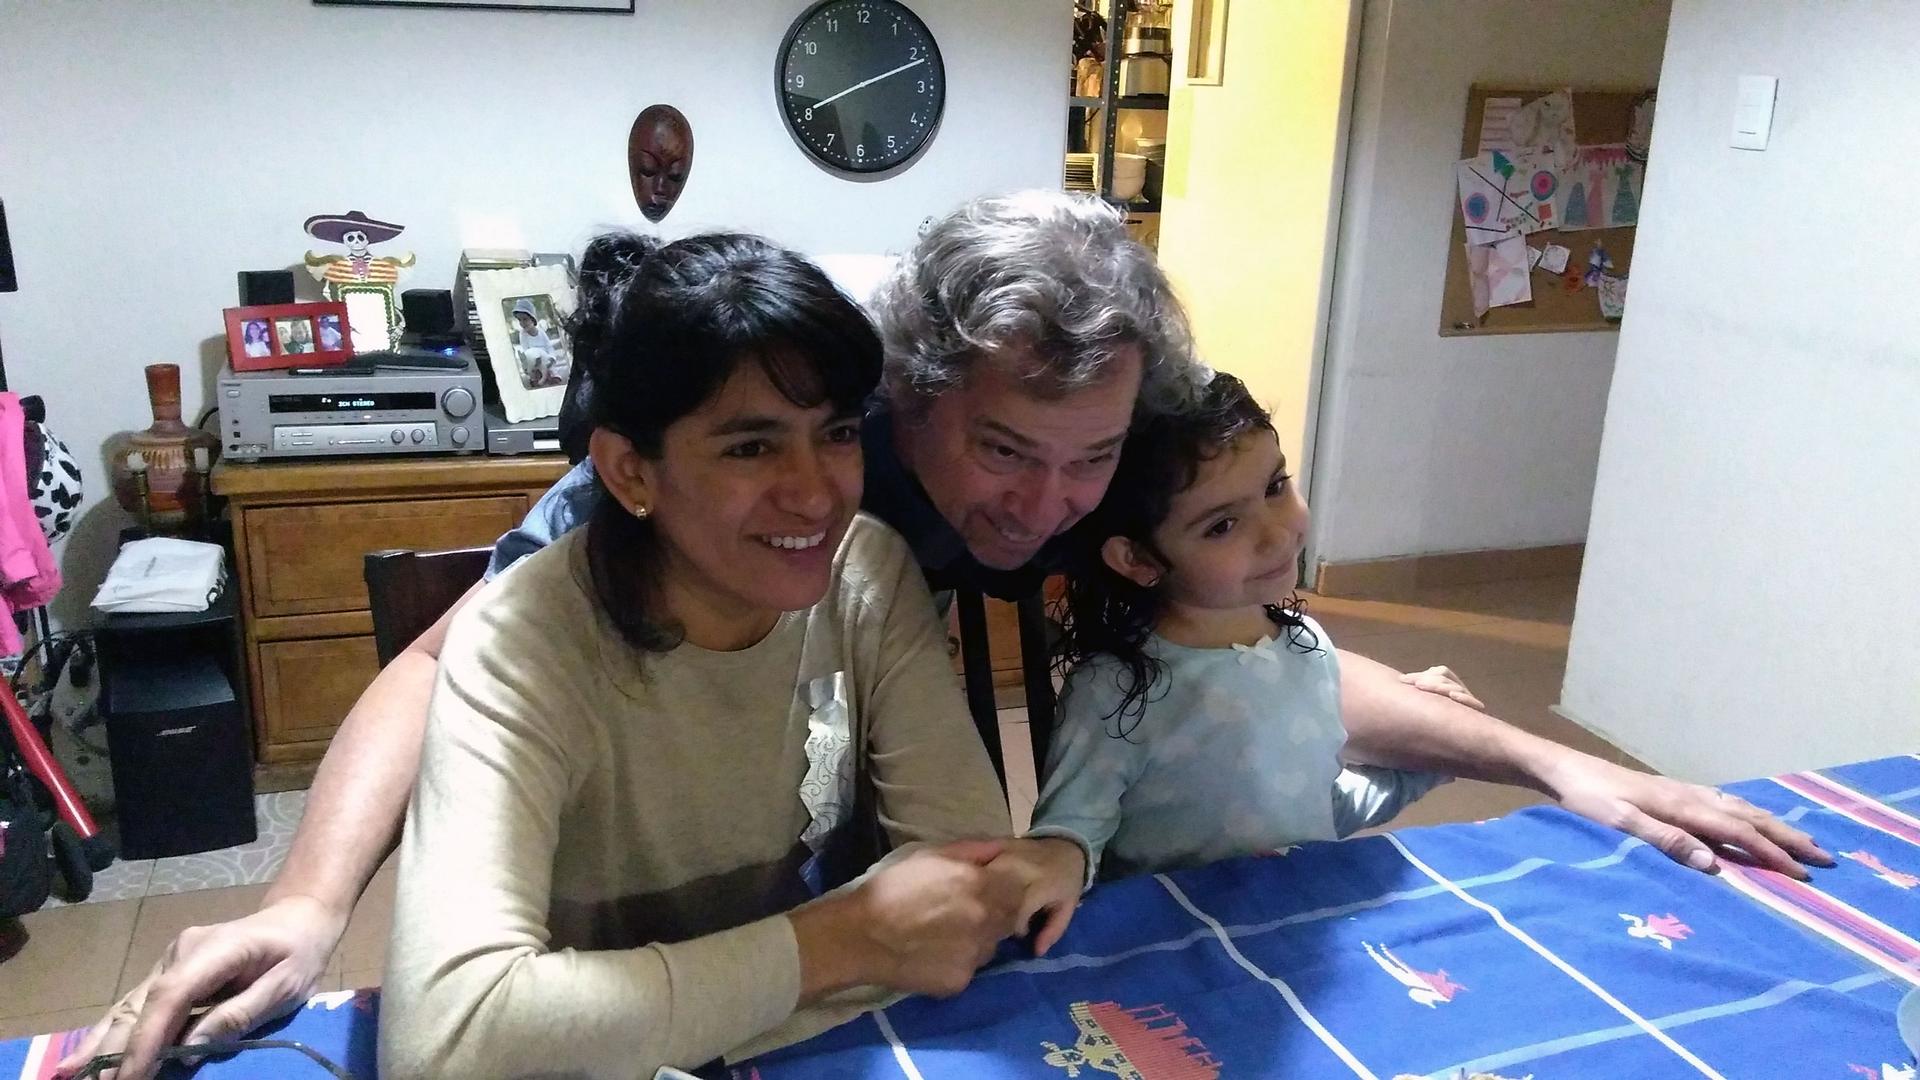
523 317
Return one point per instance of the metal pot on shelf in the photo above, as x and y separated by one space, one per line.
1146 64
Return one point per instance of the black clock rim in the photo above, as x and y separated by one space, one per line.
786 118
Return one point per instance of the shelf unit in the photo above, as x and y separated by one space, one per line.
1113 103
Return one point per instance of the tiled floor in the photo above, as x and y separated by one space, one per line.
1508 642
276 815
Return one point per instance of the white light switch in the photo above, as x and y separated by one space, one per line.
1753 111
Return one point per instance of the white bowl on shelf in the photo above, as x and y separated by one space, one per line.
1129 175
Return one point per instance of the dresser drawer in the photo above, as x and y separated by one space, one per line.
306 688
303 560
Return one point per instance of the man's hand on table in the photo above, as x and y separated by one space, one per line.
1051 872
270 961
1687 821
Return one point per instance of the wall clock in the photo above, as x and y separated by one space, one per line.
861 84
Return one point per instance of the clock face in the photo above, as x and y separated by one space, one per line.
862 85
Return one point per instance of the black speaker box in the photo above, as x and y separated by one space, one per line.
428 314
261 287
181 756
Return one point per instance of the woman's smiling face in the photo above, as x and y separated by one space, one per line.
752 495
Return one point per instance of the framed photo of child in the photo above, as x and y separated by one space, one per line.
523 316
274 336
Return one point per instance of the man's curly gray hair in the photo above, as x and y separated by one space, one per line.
1051 276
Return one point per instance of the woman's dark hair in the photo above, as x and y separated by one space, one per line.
1104 613
660 329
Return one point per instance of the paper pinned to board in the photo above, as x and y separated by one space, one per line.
1498 274
1496 125
1544 127
1553 259
1599 264
1613 296
1602 190
1503 196
1640 130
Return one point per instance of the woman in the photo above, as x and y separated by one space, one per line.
653 742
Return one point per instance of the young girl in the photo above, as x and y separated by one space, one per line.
1201 716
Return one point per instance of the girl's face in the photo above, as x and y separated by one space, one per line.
1234 536
752 495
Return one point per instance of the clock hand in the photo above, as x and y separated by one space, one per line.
869 82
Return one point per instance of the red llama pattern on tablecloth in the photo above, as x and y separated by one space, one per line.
1145 1043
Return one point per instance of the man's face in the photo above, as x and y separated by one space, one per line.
1010 470
660 154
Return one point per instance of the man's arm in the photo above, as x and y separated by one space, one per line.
278 953
1390 723
359 796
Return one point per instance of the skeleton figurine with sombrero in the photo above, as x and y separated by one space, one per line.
363 281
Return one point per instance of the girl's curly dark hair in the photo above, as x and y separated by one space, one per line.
1104 613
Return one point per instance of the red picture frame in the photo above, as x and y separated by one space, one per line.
270 337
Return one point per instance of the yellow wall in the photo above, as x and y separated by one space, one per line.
1250 182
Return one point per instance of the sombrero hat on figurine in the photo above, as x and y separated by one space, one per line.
333 227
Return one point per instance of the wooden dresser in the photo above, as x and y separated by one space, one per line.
300 531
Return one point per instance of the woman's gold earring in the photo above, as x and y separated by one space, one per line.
642 511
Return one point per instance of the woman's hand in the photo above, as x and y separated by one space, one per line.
269 962
1051 873
1442 681
923 925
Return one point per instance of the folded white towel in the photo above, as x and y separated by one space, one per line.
163 574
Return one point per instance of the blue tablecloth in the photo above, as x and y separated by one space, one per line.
1535 944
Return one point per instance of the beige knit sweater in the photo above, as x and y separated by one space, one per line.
602 841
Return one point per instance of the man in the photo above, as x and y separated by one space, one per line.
1022 336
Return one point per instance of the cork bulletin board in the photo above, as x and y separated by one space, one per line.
1600 116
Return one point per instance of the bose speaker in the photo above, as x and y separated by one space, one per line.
177 736
259 288
428 314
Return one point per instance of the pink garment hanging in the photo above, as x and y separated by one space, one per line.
28 576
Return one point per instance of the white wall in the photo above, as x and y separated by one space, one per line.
1431 444
1748 604
148 151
